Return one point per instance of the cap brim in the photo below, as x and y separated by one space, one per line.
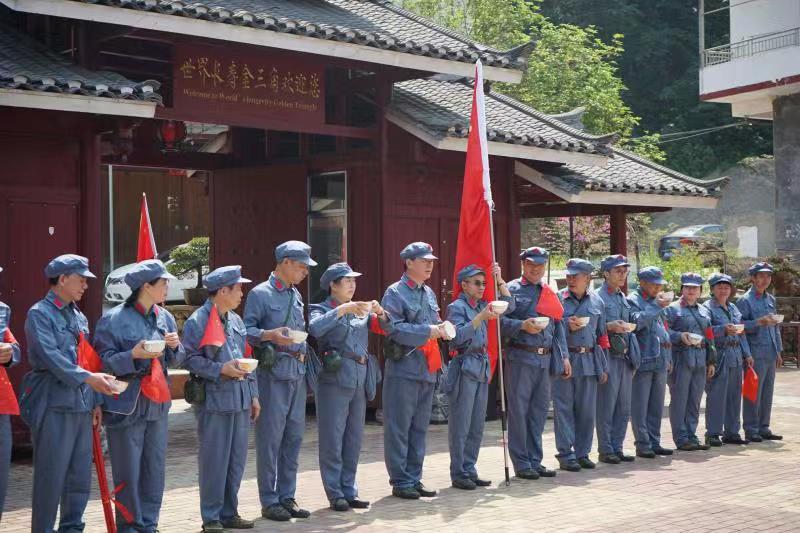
763 270
692 284
721 281
573 272
86 274
307 261
352 275
167 275
427 256
243 280
536 260
659 281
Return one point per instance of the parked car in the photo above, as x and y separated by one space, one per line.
116 291
708 234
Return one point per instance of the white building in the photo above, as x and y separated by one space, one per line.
758 73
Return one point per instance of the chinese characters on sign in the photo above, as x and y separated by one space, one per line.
230 82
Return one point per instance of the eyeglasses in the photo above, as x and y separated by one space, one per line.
479 283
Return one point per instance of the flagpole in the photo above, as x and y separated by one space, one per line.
503 417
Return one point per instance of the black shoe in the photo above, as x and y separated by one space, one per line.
570 466
771 436
586 463
276 512
544 472
406 493
237 522
610 458
423 492
481 482
735 439
291 505
646 454
755 438
703 447
689 446
626 458
662 451
215 526
464 484
355 503
714 440
340 504
528 474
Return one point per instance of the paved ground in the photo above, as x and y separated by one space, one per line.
732 489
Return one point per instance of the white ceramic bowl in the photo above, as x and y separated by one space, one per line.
449 329
778 318
154 346
298 337
499 306
738 327
583 321
541 321
630 327
695 338
669 296
119 386
247 364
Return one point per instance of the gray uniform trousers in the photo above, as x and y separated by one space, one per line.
574 408
5 457
528 399
465 421
724 402
685 391
647 407
614 406
406 415
756 416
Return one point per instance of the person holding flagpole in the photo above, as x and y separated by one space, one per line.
9 356
468 374
60 399
215 341
137 341
537 348
412 361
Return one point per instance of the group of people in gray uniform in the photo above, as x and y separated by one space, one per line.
602 357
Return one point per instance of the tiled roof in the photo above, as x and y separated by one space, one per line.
442 108
28 65
627 172
374 23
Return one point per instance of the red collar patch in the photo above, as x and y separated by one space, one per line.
333 303
524 281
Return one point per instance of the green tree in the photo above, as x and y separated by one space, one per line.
569 66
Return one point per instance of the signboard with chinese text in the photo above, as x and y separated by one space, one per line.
232 85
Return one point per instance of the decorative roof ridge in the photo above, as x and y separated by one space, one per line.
707 184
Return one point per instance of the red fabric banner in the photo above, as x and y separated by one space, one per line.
146 248
214 335
8 399
549 304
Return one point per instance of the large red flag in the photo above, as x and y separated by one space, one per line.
147 243
474 230
8 400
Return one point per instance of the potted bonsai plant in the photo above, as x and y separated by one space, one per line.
193 256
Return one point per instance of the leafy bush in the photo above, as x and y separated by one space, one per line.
191 256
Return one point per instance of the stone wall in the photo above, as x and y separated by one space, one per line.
747 200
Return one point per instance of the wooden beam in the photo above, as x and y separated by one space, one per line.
182 160
580 210
619 231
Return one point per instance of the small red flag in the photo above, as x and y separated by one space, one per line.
709 333
8 400
155 385
549 304
248 350
147 244
87 356
375 326
434 357
214 335
750 385
603 342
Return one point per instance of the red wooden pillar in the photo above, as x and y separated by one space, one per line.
91 235
619 233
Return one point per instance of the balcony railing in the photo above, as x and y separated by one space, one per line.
751 47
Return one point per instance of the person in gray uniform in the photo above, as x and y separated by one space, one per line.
273 315
348 381
230 401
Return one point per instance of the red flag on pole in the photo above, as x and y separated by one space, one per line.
549 304
214 335
474 227
8 400
147 244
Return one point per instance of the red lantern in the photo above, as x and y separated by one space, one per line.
171 133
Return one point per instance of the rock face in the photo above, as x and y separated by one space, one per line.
748 200
786 127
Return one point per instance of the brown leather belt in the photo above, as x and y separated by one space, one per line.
300 356
581 349
531 349
360 359
730 344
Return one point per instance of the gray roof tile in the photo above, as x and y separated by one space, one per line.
26 64
375 23
442 108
